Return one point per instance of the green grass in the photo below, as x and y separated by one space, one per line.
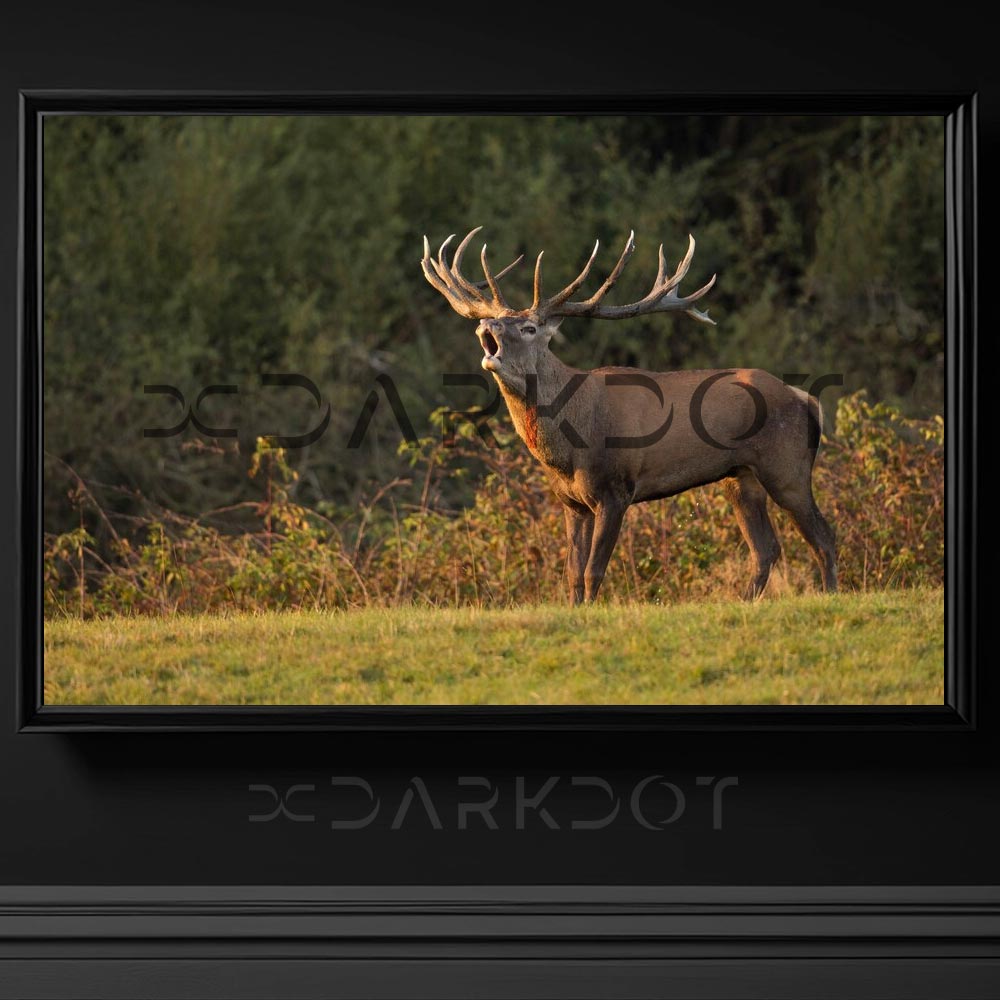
876 648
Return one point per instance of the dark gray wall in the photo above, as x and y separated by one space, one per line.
810 808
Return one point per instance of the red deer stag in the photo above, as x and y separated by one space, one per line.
617 436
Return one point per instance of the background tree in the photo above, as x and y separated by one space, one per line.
212 249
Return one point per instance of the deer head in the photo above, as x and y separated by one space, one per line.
514 339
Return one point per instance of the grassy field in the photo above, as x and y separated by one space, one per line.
875 648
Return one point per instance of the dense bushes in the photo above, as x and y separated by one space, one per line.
205 250
879 479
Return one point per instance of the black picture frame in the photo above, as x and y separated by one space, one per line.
855 861
957 712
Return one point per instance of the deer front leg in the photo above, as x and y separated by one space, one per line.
607 523
579 534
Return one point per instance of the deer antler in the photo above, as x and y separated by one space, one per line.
466 297
662 296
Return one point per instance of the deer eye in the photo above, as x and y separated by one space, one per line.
527 329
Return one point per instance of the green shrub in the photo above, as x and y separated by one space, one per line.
879 480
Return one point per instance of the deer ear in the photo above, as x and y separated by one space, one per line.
553 327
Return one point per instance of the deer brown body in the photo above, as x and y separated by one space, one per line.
612 437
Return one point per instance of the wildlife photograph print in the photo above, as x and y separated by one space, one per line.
492 409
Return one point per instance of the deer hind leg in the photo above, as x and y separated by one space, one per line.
607 524
798 500
749 500
579 534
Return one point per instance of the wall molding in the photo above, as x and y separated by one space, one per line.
489 941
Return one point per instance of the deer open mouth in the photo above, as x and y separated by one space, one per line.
491 349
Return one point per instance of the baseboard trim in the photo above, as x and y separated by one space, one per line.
490 941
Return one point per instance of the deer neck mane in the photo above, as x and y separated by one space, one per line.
536 420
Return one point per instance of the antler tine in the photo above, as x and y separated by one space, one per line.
671 302
430 268
442 248
694 296
435 274
682 267
537 298
445 273
480 285
551 306
456 263
475 287
613 277
702 317
498 298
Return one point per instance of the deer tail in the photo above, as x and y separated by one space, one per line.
815 408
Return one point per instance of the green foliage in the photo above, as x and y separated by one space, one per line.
893 514
207 250
879 479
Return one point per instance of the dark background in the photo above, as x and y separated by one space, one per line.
810 808
202 250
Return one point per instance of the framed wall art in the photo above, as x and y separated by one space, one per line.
277 476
